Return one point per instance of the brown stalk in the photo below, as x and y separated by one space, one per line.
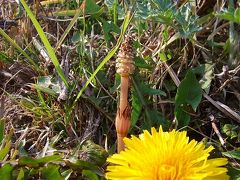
125 68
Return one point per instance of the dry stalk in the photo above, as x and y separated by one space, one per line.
125 67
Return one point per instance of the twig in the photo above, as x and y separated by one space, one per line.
214 126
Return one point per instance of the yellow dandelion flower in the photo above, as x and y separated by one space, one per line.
165 156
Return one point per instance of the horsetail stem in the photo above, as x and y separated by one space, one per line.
125 67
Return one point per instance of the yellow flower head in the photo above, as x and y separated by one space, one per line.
165 156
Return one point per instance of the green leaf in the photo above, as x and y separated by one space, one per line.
237 15
136 108
109 26
45 89
146 89
20 174
92 7
116 9
15 45
152 117
189 94
27 103
66 174
2 128
73 21
232 154
159 10
31 162
44 81
48 85
141 63
46 43
105 60
234 173
96 154
157 119
206 70
231 130
226 15
6 172
187 21
48 159
163 56
230 15
4 58
28 161
51 172
89 175
83 165
4 151
150 91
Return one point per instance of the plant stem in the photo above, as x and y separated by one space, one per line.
124 93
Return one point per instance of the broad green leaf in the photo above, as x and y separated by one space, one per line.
206 71
6 172
234 173
189 95
44 81
187 21
152 117
51 172
83 165
231 130
92 7
48 159
28 161
232 154
163 56
141 99
146 89
150 91
46 43
90 175
230 15
32 162
109 27
157 119
225 14
96 153
161 11
141 63
136 109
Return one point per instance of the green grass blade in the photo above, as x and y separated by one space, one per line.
15 45
46 43
73 21
105 60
